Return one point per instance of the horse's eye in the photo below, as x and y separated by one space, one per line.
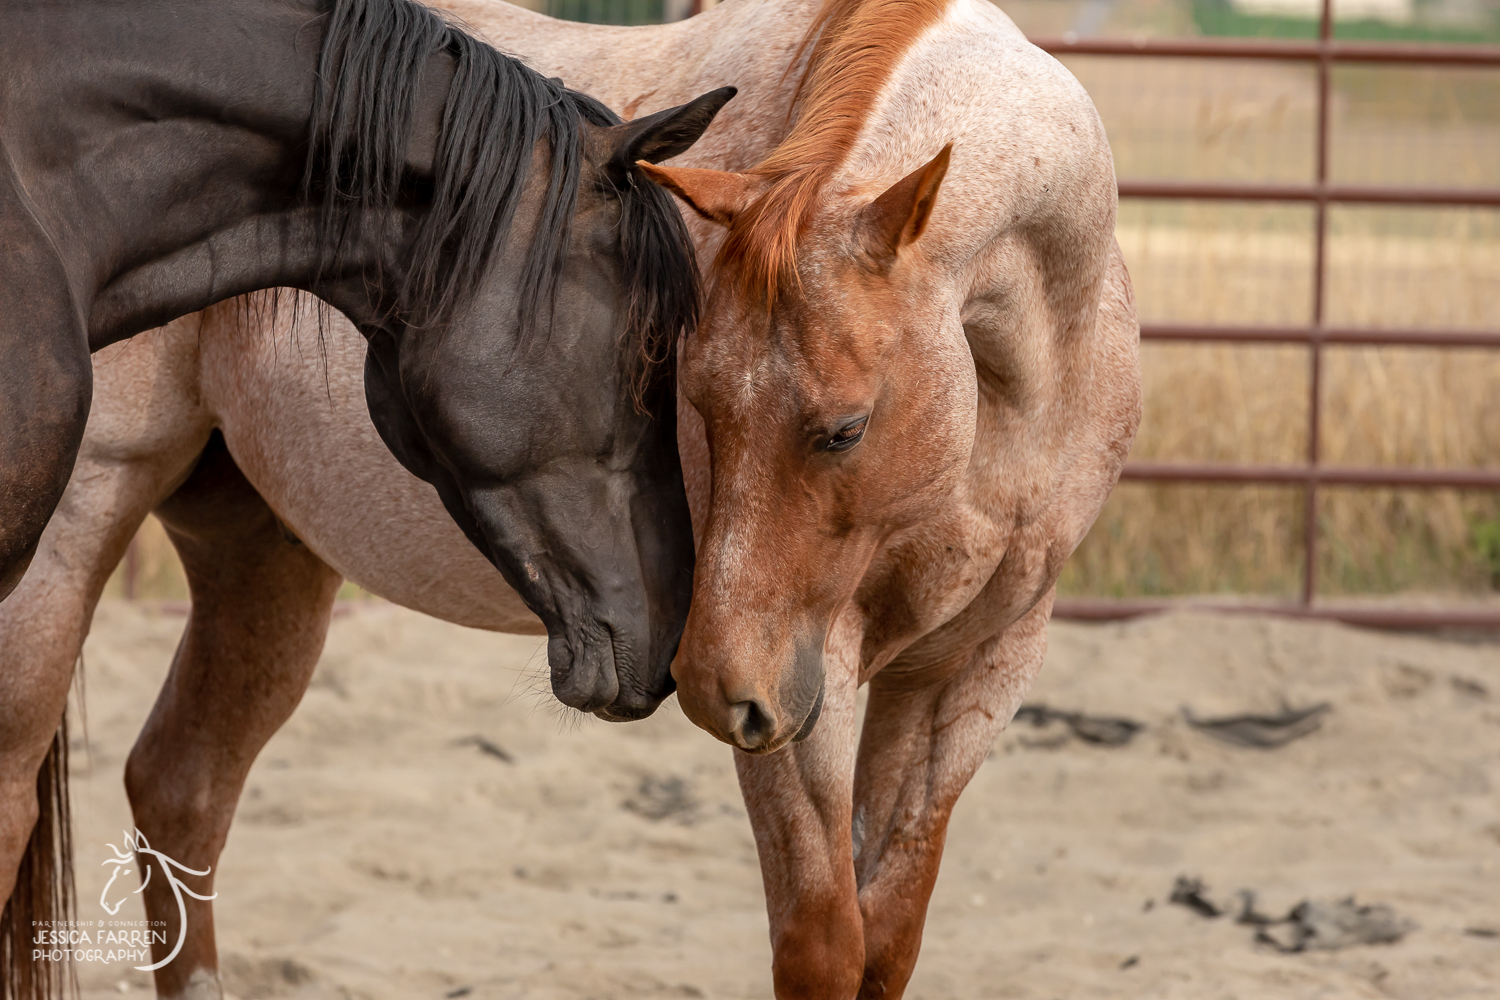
848 436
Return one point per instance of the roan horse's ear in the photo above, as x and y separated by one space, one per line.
898 216
717 195
667 133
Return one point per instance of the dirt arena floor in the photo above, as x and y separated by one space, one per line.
429 826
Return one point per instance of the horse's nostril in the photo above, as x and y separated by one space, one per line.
751 726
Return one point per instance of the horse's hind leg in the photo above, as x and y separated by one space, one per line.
921 744
261 605
35 863
45 381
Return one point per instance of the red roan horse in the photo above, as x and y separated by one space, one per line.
914 384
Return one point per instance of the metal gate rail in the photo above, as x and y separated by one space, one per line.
1320 194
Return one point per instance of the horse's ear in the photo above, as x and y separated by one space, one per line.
897 217
717 195
667 133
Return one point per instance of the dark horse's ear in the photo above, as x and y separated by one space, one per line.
667 133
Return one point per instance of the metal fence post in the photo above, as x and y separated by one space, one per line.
1315 342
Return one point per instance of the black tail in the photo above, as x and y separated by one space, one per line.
44 888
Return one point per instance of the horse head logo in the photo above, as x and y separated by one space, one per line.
121 862
139 854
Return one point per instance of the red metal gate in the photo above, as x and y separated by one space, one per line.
1320 194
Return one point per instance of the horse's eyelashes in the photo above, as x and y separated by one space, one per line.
847 436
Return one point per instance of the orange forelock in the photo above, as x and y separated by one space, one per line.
855 46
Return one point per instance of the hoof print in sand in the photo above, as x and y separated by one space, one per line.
1328 926
488 747
1193 894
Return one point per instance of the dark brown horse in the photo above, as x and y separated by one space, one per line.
162 158
487 230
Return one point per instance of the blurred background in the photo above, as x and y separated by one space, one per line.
1248 264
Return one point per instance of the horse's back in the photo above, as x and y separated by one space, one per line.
1027 139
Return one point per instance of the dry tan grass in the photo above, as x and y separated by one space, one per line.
1382 406
1251 264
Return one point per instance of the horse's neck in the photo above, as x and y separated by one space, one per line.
162 146
636 71
147 134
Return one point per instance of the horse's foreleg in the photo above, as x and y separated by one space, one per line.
261 605
920 746
799 801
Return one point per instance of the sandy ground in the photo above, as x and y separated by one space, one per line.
379 852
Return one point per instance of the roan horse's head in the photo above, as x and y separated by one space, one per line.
520 341
836 417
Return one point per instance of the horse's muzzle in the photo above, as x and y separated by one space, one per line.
600 672
756 715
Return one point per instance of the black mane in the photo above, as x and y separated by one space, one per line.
497 109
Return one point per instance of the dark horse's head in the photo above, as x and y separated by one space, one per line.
520 359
